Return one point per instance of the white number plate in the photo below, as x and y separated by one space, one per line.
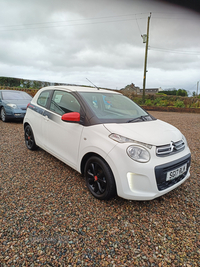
176 173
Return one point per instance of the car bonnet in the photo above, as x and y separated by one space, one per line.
150 132
22 103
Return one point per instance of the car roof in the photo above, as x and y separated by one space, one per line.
78 89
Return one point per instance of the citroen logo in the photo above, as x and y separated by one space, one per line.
171 146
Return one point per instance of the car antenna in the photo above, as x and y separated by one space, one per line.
92 84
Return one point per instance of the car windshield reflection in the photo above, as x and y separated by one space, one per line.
112 106
15 96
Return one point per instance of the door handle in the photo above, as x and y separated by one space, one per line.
46 118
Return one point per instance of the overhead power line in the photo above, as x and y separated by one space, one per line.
175 18
174 51
172 16
138 27
106 19
73 20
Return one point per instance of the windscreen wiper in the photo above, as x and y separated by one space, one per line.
141 118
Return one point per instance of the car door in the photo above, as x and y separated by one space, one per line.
36 116
62 138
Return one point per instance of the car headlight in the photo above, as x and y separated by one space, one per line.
121 139
12 105
138 153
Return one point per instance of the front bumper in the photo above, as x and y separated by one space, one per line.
162 170
146 181
15 114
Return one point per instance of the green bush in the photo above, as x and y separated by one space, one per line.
164 103
137 100
179 104
157 101
148 102
181 92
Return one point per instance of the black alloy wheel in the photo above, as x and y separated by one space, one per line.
99 178
29 138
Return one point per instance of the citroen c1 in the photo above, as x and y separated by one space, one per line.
119 147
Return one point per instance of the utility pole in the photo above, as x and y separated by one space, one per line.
145 40
197 87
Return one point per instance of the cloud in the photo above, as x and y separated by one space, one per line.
67 41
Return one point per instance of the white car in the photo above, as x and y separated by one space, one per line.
118 146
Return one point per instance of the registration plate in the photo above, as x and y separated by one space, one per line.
176 173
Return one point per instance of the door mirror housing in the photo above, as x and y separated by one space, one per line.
71 117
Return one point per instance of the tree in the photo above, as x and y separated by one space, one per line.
181 92
168 92
11 82
194 93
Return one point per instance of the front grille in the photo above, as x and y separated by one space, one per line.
169 149
162 170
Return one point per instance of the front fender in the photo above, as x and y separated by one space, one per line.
95 139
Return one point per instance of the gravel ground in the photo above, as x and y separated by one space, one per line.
48 217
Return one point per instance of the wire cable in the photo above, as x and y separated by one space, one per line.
174 51
74 20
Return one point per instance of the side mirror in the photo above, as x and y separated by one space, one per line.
71 116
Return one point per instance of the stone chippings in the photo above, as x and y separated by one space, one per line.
48 217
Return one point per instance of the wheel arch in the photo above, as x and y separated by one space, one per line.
108 189
86 157
33 146
25 124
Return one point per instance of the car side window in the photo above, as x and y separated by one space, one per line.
43 98
63 102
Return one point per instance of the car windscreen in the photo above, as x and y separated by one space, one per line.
15 95
112 106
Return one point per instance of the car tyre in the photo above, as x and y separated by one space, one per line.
99 178
3 115
29 138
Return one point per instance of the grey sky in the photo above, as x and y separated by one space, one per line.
69 41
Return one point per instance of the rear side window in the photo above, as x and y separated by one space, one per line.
63 102
43 98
